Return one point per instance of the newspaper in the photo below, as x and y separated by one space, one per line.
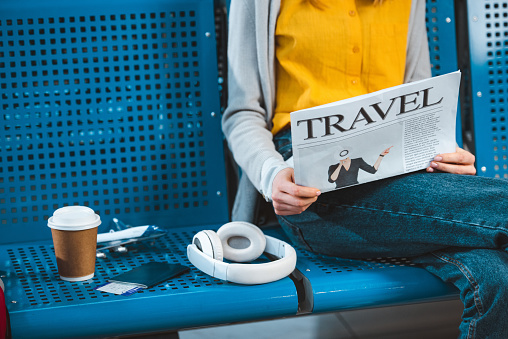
374 136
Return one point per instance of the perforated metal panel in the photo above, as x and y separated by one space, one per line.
488 34
344 284
36 296
113 105
33 272
441 32
333 284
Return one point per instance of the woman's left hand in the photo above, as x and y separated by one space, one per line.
460 162
386 151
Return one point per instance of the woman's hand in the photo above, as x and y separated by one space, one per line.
289 198
460 162
386 151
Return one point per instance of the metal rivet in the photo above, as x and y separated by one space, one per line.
3 276
207 34
219 193
484 169
213 114
475 18
448 20
308 269
479 94
14 302
100 255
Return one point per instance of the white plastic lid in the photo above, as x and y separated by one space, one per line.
74 218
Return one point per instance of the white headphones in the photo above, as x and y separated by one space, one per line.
241 242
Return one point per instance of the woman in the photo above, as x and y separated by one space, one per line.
293 54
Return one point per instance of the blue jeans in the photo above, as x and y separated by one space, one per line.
454 226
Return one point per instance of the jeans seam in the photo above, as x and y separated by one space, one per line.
423 216
471 329
469 277
305 243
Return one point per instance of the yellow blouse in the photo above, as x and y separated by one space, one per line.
349 48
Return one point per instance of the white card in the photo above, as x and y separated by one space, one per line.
119 288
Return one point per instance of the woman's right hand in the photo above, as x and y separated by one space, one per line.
289 198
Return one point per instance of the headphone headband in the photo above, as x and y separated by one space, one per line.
266 272
248 273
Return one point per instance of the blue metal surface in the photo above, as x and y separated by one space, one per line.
113 105
344 284
336 284
488 28
441 32
47 307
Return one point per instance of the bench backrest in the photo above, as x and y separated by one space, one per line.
488 29
441 32
113 105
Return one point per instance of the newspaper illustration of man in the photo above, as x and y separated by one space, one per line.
345 172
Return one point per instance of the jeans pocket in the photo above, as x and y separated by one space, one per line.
294 233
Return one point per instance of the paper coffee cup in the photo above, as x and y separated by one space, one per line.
74 230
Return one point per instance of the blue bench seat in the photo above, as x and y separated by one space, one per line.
37 296
43 306
335 284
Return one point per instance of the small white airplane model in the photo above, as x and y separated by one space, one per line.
124 235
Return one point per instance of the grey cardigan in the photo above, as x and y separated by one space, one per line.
247 121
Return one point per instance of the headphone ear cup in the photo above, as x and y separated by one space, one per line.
241 241
209 243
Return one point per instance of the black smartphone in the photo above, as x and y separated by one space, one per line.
150 274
